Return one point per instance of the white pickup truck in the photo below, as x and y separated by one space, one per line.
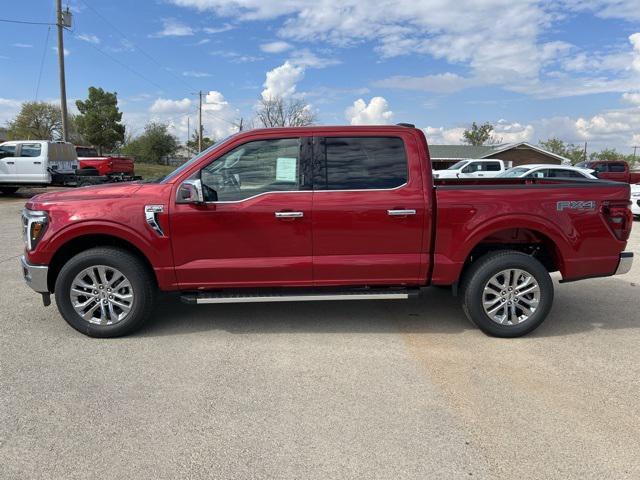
473 168
29 163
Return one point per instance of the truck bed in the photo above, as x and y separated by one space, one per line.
568 215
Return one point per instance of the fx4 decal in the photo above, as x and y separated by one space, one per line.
576 205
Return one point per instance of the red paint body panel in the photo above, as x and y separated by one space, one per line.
627 176
108 165
344 237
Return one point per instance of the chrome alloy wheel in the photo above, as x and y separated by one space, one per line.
511 296
102 295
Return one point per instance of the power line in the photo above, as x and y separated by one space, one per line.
44 54
24 22
136 46
123 64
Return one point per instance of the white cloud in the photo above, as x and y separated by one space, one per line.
281 81
218 116
631 97
22 45
635 42
375 113
306 58
195 74
165 105
9 108
616 128
224 28
174 28
275 47
204 41
444 136
235 57
440 83
85 37
66 52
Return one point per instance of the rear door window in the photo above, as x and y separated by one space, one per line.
617 167
492 166
363 163
30 150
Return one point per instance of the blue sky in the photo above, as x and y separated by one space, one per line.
569 68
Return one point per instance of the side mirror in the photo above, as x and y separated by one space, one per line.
190 191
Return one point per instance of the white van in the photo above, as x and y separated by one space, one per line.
33 162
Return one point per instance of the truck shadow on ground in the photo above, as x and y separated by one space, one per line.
578 308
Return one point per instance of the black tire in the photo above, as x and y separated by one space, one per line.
9 190
485 268
139 276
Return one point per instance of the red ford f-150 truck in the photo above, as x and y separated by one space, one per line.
321 213
103 165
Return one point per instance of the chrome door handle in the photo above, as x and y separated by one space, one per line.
289 214
401 213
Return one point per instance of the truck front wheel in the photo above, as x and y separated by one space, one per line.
105 292
507 293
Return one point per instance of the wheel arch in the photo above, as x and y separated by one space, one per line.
84 242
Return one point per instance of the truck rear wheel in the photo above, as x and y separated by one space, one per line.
507 293
105 292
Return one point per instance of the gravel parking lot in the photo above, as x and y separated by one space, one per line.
332 390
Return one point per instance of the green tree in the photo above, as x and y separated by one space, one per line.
99 119
478 134
192 144
571 151
36 121
153 145
607 154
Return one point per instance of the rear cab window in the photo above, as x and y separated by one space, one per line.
363 163
617 167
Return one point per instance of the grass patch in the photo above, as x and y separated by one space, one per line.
149 171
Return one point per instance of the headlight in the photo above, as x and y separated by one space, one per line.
34 223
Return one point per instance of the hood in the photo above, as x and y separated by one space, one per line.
94 192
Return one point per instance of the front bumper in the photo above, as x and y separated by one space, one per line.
624 265
35 275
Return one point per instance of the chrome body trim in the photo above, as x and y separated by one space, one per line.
35 275
304 298
289 214
401 213
625 263
151 216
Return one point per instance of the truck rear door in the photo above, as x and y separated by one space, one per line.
368 210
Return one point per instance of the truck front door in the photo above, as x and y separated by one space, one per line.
254 229
368 211
31 163
7 163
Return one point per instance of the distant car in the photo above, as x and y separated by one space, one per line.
547 171
635 200
473 168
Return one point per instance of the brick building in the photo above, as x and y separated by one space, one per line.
523 153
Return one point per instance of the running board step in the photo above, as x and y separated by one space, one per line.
253 296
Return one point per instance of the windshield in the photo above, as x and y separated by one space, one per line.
188 163
513 172
458 165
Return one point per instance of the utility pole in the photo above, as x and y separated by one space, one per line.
240 126
199 121
188 132
61 22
